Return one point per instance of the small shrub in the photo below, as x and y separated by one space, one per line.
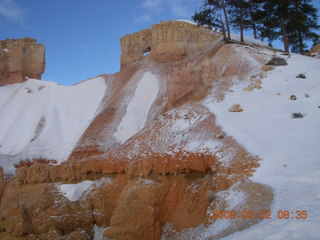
298 115
301 75
276 61
307 95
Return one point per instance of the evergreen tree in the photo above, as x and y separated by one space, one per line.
210 17
267 25
210 14
292 21
241 15
274 19
301 25
253 8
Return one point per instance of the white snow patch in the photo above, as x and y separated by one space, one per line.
6 50
74 191
102 181
145 181
98 232
45 120
289 148
138 108
248 40
316 54
202 146
233 199
187 21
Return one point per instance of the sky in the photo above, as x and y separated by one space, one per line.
81 36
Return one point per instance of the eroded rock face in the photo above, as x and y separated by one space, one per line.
315 51
21 58
169 172
167 42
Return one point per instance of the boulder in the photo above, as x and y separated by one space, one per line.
236 108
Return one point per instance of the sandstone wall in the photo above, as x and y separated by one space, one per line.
167 42
21 58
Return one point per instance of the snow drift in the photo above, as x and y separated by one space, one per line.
45 120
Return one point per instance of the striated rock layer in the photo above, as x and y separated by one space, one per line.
21 58
167 42
157 160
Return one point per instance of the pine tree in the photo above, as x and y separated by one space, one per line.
267 25
274 15
301 25
210 17
292 21
241 15
252 10
210 14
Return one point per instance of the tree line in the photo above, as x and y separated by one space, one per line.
295 22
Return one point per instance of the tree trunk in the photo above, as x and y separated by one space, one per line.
284 34
301 45
241 22
226 18
223 29
253 23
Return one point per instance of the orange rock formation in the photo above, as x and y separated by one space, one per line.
20 58
162 174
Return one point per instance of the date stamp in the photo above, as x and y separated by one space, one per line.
281 214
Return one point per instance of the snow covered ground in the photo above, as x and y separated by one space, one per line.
44 119
289 147
138 108
74 191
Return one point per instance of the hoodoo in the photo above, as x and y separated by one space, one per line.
21 59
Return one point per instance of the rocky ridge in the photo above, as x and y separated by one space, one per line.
169 171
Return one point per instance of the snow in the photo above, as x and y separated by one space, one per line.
187 21
233 198
44 119
138 107
248 40
145 181
98 232
289 147
6 50
74 191
316 54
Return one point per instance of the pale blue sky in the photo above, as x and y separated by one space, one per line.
82 36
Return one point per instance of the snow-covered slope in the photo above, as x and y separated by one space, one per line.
44 119
289 147
138 108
